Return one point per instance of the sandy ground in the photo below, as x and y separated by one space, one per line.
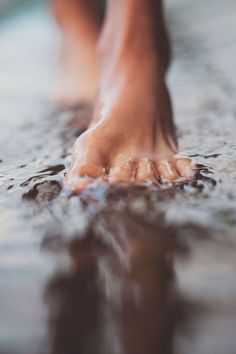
42 247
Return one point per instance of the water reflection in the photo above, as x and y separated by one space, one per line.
117 293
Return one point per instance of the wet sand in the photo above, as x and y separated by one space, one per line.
118 270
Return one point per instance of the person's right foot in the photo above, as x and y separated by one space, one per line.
131 138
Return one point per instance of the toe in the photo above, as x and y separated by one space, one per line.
87 164
122 173
90 170
146 171
184 166
166 171
80 176
77 184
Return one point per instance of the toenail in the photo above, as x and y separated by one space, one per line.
167 164
168 171
179 163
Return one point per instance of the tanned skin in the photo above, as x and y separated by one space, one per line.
118 61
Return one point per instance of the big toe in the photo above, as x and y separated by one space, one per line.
83 174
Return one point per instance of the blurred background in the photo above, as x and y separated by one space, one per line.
117 271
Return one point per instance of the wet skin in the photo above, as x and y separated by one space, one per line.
131 137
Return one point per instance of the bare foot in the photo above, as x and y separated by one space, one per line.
131 138
78 77
80 23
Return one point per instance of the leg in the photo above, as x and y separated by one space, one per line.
80 22
132 135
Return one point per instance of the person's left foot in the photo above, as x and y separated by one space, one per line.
78 81
80 24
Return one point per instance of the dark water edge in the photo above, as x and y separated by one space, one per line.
144 269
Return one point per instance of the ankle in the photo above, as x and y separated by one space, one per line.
135 31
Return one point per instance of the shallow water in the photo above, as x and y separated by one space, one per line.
118 270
